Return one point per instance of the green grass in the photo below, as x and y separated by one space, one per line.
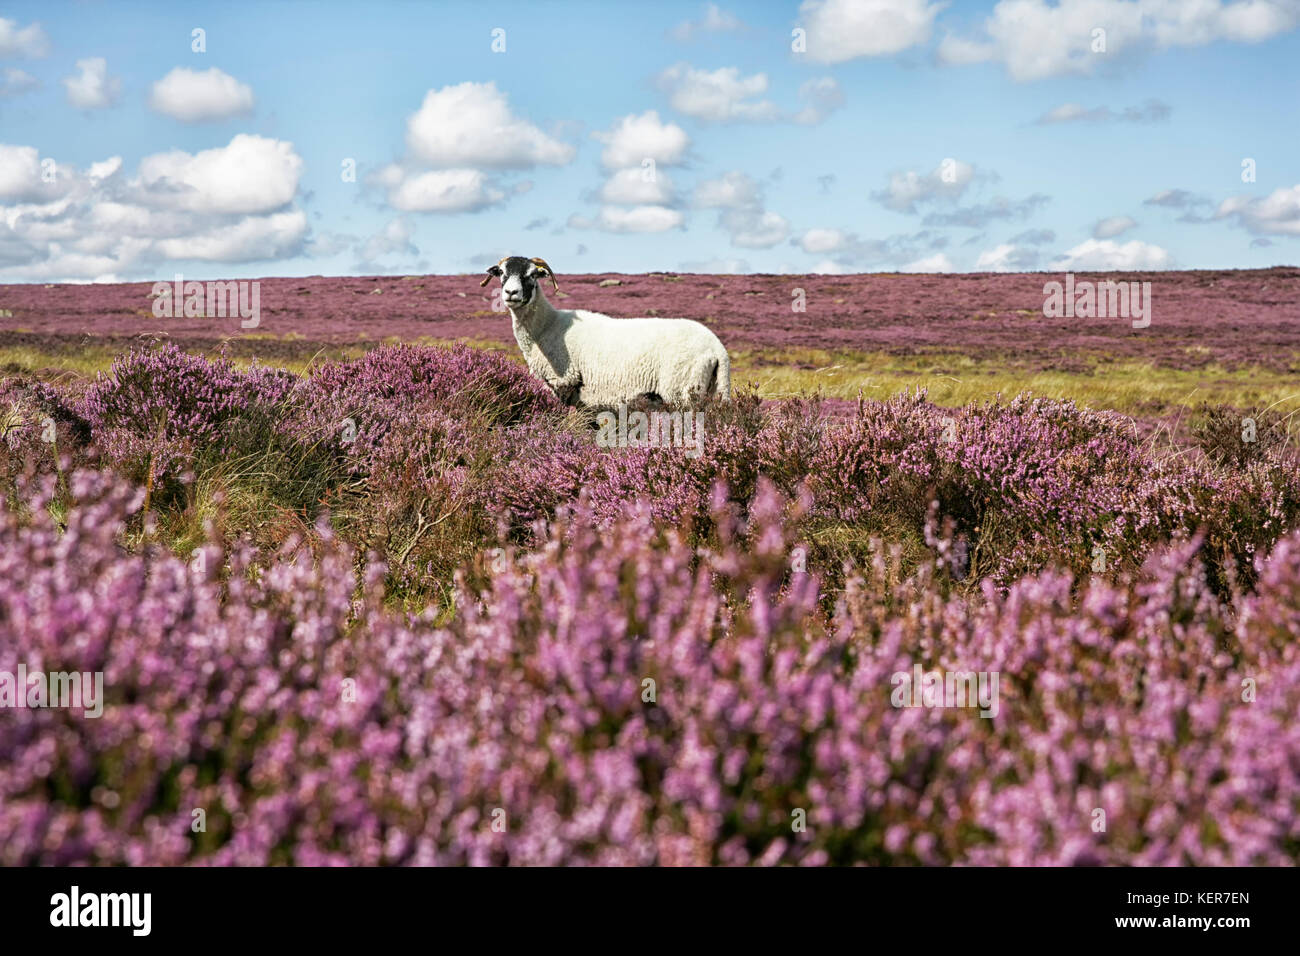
1132 388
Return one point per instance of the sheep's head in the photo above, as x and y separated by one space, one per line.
519 278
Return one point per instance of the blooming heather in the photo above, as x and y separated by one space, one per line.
620 697
477 637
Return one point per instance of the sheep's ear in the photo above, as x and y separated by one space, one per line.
491 271
545 270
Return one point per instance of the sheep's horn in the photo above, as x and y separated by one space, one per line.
549 271
488 278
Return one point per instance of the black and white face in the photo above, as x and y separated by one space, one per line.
519 278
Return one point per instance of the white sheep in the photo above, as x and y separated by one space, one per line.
592 359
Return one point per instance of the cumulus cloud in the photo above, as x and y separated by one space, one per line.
935 263
1007 257
393 239
28 41
754 228
638 196
15 82
636 138
195 96
1106 255
1276 214
725 96
471 125
1152 111
847 252
906 189
633 187
252 174
823 96
459 141
718 96
742 214
1033 39
940 190
822 241
229 204
839 30
91 88
1113 226
630 219
731 190
439 190
20 175
715 20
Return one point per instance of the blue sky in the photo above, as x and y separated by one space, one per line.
903 135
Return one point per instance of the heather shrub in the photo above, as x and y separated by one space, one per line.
1229 436
162 412
618 695
26 405
354 403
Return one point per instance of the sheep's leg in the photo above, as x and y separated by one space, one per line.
567 388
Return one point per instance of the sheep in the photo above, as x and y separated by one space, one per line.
596 360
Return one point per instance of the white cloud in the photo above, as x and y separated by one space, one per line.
729 191
252 174
715 20
630 187
470 125
194 96
754 228
935 263
247 239
16 82
720 96
1104 255
394 238
105 168
230 204
29 41
1034 40
822 241
1275 214
1007 258
840 30
20 174
1113 226
440 190
91 88
823 95
635 139
633 219
948 180
742 215
829 267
